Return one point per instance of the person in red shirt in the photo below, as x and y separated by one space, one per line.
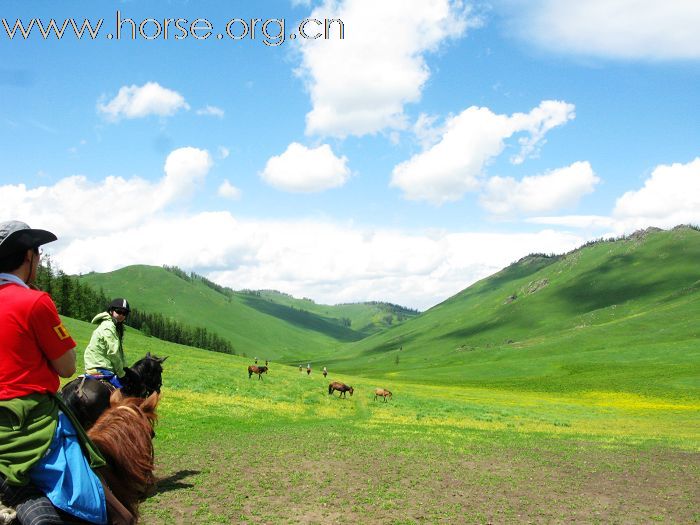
35 350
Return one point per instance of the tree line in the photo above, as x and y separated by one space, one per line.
78 300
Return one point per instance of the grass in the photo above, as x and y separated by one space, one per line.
281 450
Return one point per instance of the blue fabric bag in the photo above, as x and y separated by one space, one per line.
66 478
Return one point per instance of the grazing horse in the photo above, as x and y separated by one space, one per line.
260 370
88 397
382 392
340 387
124 434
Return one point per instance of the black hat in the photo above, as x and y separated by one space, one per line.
16 236
119 303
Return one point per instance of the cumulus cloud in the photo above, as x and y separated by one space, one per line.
670 196
621 29
330 262
454 165
305 170
360 85
141 101
211 111
78 207
229 191
544 193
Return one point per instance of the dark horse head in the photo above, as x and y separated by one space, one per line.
144 377
88 398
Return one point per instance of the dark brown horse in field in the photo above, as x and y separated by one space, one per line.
124 434
260 370
382 392
340 387
88 397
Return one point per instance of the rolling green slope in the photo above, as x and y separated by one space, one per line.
614 315
366 318
255 328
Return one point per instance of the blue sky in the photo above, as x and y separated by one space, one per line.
437 142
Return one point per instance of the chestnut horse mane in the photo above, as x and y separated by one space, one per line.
123 433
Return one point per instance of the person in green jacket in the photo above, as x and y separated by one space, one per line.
104 354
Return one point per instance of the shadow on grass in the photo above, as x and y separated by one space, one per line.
173 482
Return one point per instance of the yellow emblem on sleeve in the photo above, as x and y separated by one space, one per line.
61 332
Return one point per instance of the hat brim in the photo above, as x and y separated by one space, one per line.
24 240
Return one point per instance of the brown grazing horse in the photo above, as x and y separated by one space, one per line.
382 392
340 387
260 370
124 434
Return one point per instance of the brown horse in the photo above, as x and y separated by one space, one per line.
340 387
124 434
260 370
382 392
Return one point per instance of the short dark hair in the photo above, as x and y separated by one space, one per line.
11 262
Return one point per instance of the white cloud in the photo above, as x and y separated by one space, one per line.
670 196
78 207
141 101
304 170
575 221
360 85
229 191
548 192
224 152
623 29
211 111
328 262
454 165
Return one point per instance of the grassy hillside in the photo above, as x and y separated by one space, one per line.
366 318
613 316
281 450
254 326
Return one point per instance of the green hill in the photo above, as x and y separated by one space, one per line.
366 318
266 324
613 315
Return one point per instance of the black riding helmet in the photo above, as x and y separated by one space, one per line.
119 304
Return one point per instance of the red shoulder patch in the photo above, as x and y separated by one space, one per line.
61 332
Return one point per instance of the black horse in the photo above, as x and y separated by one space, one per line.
88 397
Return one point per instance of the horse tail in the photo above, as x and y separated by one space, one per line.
250 373
330 389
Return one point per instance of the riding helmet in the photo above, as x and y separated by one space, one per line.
119 303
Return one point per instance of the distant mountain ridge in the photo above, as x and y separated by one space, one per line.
268 324
619 310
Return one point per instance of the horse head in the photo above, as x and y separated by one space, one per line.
144 377
351 390
124 434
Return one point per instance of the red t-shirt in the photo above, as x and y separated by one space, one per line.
31 334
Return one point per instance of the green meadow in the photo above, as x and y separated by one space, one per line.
561 389
231 449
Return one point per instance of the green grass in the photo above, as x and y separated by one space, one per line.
577 401
615 316
281 450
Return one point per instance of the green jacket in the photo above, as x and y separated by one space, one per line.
27 426
105 347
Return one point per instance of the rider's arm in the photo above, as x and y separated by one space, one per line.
65 365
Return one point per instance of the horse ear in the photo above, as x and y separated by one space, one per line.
116 398
163 358
151 402
148 355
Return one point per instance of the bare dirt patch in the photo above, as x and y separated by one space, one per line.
327 477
